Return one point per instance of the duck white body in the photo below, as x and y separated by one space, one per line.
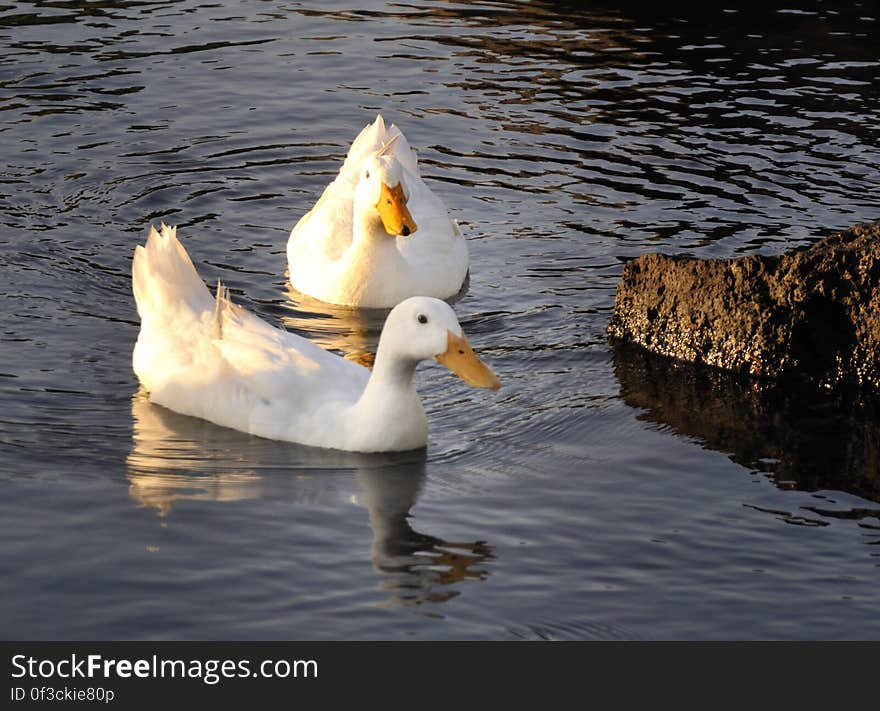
206 357
342 251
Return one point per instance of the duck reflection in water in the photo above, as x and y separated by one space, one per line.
176 458
352 332
414 562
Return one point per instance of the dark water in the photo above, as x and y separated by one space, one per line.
598 494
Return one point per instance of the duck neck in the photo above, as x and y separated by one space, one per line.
392 372
389 414
372 247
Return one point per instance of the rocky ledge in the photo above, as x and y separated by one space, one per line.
811 314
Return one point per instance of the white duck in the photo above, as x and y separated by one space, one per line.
377 235
206 357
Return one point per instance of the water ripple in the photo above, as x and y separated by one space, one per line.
566 140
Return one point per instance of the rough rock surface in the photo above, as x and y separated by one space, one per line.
813 313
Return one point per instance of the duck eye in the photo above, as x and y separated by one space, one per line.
367 174
423 318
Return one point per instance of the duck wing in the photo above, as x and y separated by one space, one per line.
206 357
281 366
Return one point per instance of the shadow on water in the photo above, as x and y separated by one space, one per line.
176 458
803 439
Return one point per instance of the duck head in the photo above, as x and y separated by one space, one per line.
421 328
381 193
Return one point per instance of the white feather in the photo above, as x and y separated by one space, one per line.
324 261
207 357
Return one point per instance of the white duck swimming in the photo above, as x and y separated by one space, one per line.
377 235
206 357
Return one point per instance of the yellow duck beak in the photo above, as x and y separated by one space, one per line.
460 358
394 212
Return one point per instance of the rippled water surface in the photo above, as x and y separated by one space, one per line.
599 494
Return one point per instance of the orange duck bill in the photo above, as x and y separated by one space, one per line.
394 212
460 358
